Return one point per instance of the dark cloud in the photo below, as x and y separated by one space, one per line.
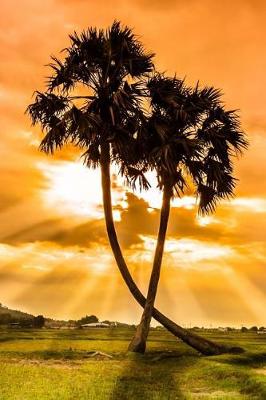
82 235
230 226
136 220
41 231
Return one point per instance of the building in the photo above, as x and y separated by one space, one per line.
95 325
14 325
222 329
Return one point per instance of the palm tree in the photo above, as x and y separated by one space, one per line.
110 65
190 137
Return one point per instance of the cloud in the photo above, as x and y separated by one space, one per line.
41 231
232 224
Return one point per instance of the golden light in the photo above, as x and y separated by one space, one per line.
205 220
153 196
46 256
256 205
74 189
188 251
256 299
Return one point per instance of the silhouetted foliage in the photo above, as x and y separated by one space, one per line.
6 318
191 137
254 329
110 65
38 322
88 319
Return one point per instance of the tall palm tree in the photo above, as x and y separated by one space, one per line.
110 65
190 137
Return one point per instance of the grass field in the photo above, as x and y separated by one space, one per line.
56 365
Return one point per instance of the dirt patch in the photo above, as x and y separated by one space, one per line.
261 371
218 394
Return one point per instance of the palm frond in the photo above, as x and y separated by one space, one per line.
207 199
134 177
45 107
55 138
92 156
190 130
127 50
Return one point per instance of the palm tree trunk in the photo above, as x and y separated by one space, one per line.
138 343
204 346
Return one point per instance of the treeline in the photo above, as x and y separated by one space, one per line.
32 322
91 319
88 319
253 329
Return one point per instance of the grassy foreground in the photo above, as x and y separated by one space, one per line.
56 365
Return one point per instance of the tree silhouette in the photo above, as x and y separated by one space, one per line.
88 319
38 322
189 138
108 123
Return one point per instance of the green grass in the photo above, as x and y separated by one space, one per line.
54 365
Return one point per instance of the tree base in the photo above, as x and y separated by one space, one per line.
137 345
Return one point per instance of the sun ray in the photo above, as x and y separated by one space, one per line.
177 298
110 294
254 298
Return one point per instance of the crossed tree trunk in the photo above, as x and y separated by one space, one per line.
199 343
138 343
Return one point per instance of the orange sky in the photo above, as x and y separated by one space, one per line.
54 255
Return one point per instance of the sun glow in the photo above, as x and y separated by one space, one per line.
73 188
206 220
154 196
187 250
256 205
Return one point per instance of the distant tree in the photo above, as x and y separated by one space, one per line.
88 319
244 329
26 322
261 328
38 322
5 318
254 329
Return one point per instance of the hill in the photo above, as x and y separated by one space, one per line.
9 315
